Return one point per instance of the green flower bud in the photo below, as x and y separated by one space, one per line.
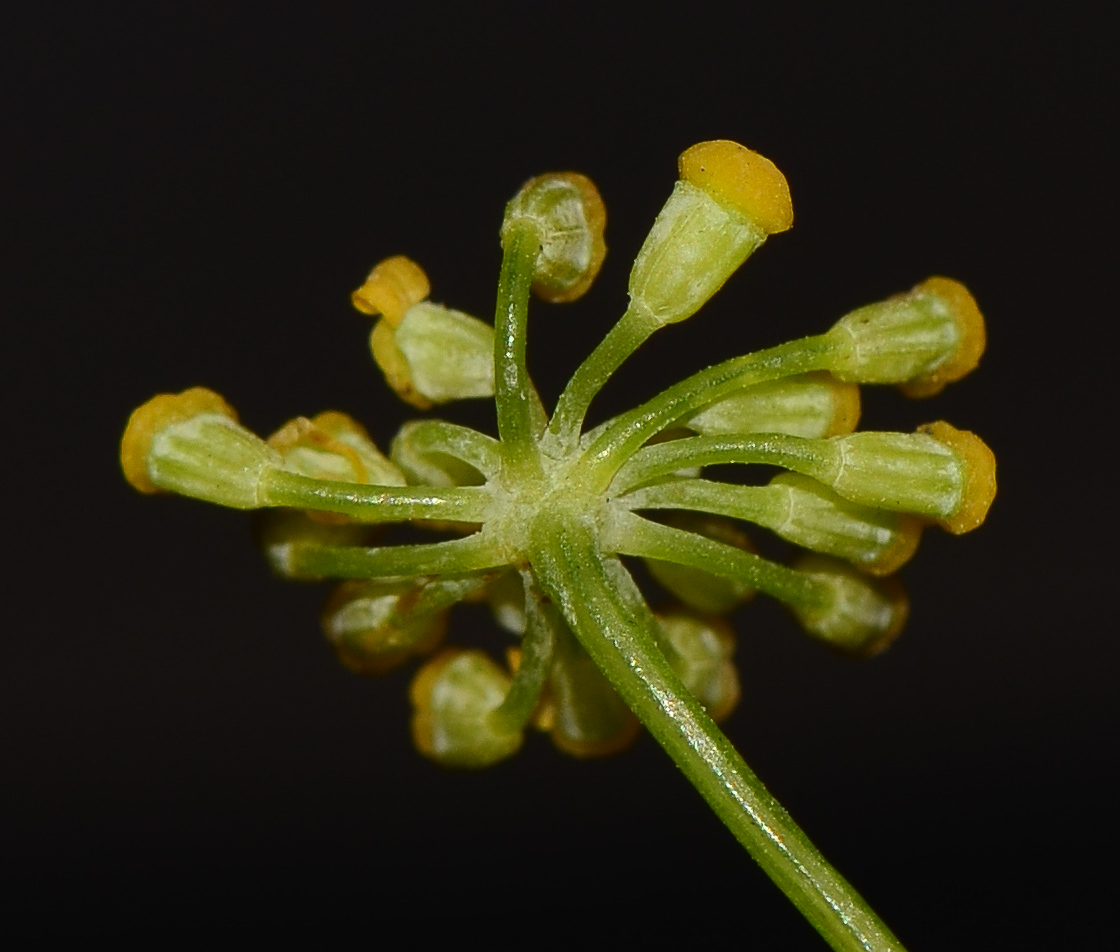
809 405
728 199
922 340
584 714
856 614
435 355
333 445
814 517
191 443
699 650
453 696
702 591
377 625
945 474
569 217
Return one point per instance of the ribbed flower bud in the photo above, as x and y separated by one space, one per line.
814 517
333 445
922 340
191 443
728 199
435 355
570 218
940 472
377 625
700 590
856 614
391 288
699 649
453 696
809 405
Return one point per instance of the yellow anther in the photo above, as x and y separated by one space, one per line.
980 481
743 179
155 416
392 287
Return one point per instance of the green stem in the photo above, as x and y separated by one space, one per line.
662 459
376 503
628 432
618 632
520 415
626 336
536 662
632 535
477 450
454 556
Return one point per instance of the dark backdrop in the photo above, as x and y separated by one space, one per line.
193 192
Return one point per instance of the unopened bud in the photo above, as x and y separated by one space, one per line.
453 696
855 614
435 355
699 649
728 199
191 443
333 445
940 472
921 340
809 405
569 217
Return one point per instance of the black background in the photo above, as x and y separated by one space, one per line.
194 190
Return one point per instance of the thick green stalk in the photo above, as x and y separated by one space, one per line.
618 632
377 503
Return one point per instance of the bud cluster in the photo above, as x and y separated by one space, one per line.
507 508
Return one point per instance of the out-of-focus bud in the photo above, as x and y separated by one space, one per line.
854 614
809 405
391 288
377 625
699 649
728 199
435 355
712 594
586 717
815 517
922 340
333 445
279 530
453 696
191 443
570 218
940 472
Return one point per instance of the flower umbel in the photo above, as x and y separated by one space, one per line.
537 520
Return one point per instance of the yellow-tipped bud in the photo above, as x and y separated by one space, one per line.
942 473
570 219
436 355
856 615
973 337
191 443
453 696
921 340
726 202
334 445
743 179
979 464
391 288
809 405
699 649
